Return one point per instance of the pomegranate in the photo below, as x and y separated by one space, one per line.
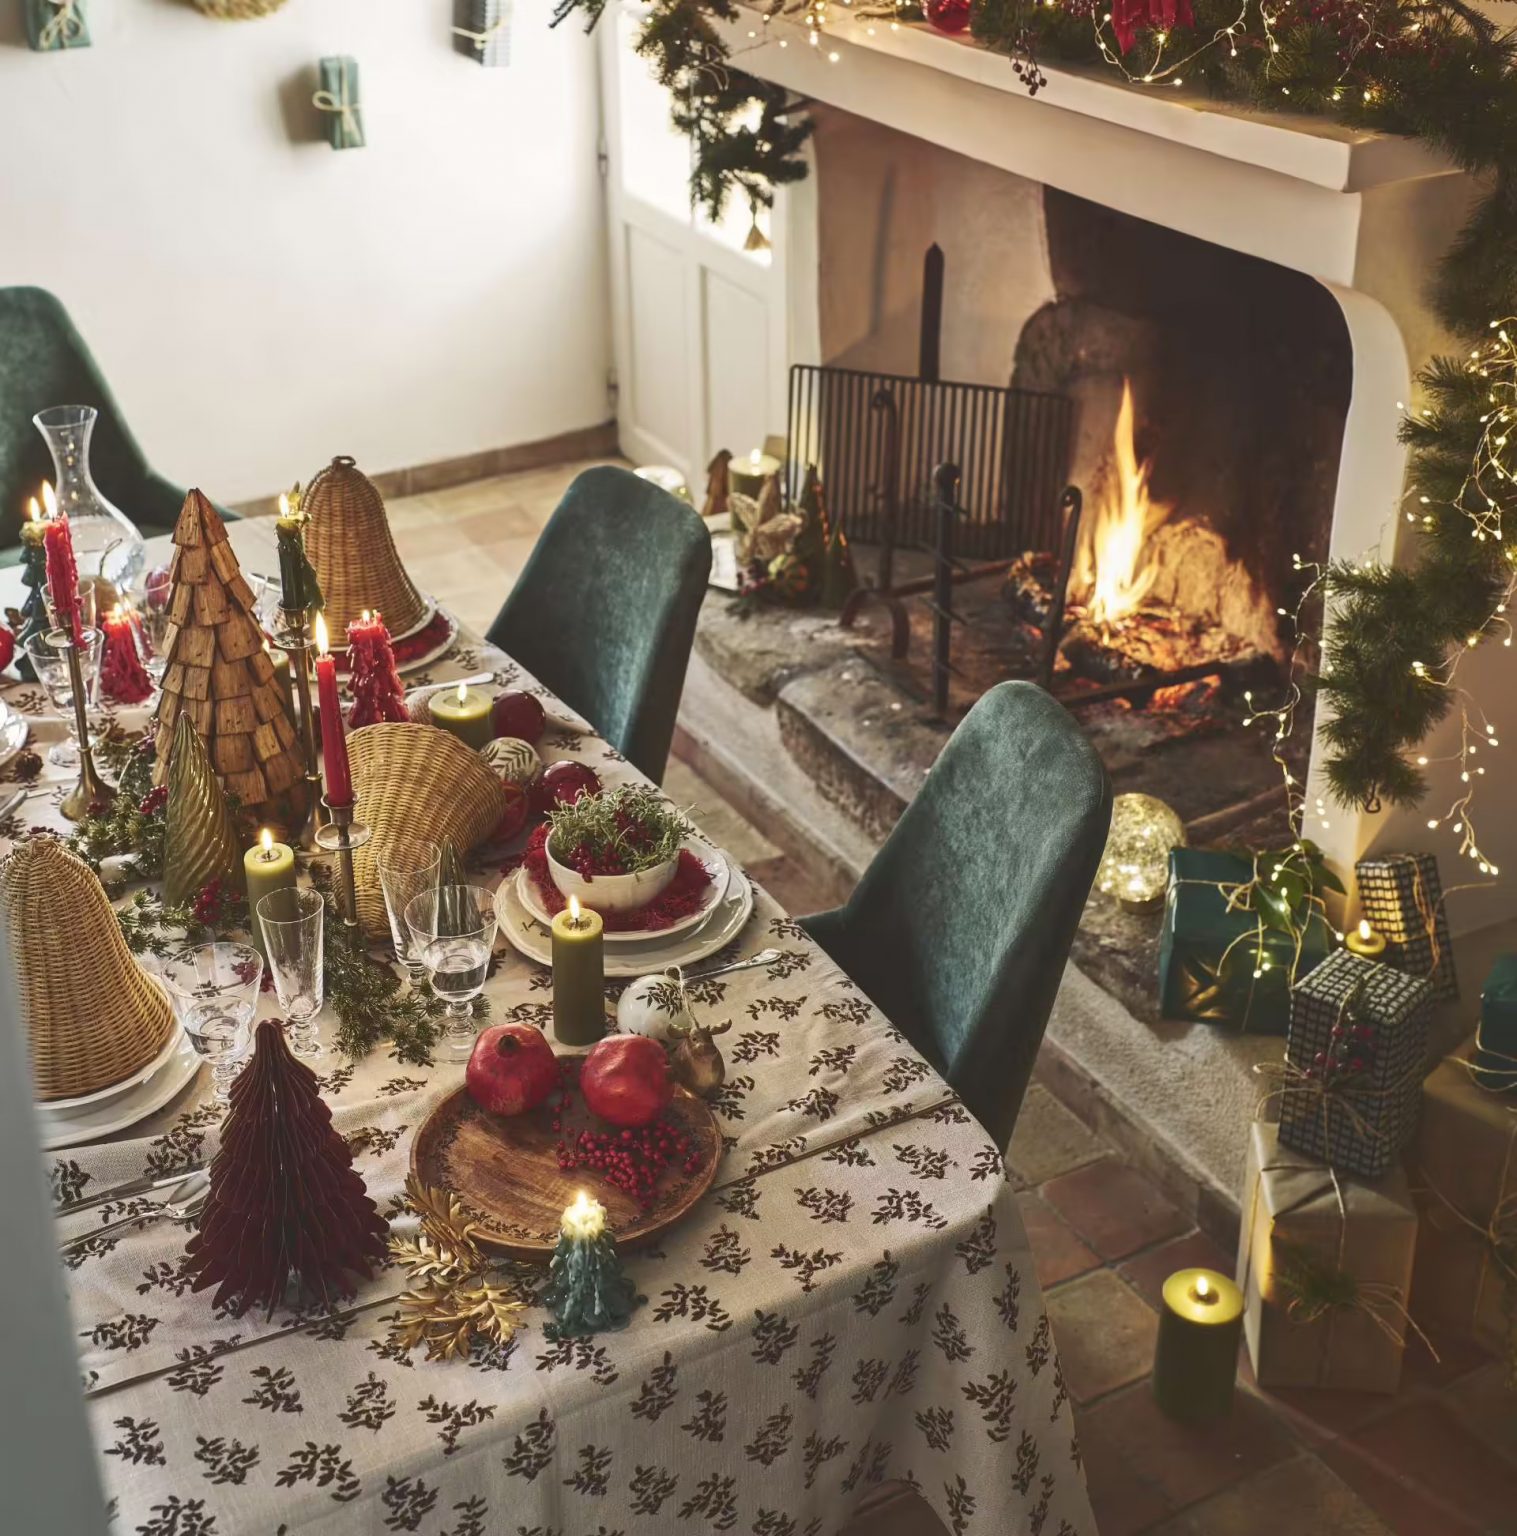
625 1080
7 647
518 714
563 784
518 805
512 1069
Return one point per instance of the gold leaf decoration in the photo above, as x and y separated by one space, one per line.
199 841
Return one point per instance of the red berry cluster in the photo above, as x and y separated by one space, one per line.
587 862
1351 1051
217 904
154 801
632 1161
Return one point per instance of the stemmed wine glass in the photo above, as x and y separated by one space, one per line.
293 924
51 666
149 597
407 867
454 928
215 993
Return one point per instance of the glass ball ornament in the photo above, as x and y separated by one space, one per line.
1135 866
948 15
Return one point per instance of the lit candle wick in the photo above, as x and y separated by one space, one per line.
49 501
321 635
284 505
1364 928
586 1218
754 457
1201 1291
33 511
267 839
463 692
576 920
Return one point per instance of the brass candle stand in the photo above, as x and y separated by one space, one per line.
342 835
294 639
91 788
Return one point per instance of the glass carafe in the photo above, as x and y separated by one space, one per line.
105 542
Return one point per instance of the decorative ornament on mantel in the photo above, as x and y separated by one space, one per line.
482 30
337 100
54 25
286 1212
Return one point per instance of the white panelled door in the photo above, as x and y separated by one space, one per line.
699 322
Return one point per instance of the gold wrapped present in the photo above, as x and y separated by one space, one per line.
1325 1266
1464 1166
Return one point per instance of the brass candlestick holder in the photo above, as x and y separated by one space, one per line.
91 788
294 639
341 836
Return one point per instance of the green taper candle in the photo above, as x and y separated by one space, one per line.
579 977
268 866
1196 1361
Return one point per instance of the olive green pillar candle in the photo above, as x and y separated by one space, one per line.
579 977
1196 1361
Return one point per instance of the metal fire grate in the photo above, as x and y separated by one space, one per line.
876 438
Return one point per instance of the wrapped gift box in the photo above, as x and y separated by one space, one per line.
1354 1056
1208 954
1496 1041
482 30
53 25
1464 1165
339 103
1305 1237
1402 898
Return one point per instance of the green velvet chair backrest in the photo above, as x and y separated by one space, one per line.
44 362
960 927
604 612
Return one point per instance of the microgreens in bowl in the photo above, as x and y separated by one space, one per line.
618 832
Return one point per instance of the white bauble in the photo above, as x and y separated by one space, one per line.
657 1006
514 761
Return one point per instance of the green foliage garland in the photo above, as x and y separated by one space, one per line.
1439 72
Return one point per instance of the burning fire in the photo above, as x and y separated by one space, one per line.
1114 569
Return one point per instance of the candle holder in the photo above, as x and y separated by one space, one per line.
294 639
341 835
91 788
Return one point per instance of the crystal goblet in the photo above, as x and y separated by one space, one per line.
50 664
454 927
215 993
293 924
407 868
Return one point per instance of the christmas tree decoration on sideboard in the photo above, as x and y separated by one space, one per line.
53 25
588 1291
337 100
482 30
219 675
200 839
1402 899
287 1218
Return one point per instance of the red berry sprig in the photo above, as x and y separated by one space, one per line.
632 1161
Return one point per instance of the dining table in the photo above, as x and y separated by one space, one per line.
854 1302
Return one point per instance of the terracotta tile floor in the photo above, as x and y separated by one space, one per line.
1438 1459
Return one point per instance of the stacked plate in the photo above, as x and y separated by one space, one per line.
72 1122
728 905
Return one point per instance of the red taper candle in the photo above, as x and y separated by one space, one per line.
334 741
63 575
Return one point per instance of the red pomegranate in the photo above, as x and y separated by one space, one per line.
512 1069
519 714
625 1080
563 784
7 647
518 806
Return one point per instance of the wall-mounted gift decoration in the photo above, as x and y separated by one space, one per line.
237 10
482 30
338 102
53 25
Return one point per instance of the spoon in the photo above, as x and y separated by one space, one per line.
183 1204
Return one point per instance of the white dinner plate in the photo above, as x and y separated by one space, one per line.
716 867
81 1101
720 928
73 1128
13 733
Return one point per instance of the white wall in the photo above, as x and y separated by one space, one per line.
259 303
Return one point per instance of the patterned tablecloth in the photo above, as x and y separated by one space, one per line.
854 1303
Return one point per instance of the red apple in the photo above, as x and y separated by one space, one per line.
512 1069
519 714
625 1080
563 783
518 806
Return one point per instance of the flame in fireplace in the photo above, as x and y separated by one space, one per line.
1116 570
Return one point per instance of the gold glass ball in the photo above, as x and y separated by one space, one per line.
1135 866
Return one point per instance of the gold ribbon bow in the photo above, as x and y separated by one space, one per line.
66 23
325 101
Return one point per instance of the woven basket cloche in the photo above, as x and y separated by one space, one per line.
93 1015
415 781
353 552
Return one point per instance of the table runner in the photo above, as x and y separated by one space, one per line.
854 1303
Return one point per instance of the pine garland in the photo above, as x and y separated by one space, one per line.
1439 72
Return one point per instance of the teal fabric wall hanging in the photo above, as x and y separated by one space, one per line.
338 101
53 25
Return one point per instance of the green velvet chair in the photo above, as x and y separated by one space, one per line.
44 362
604 612
961 925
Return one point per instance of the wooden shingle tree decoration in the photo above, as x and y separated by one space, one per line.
220 676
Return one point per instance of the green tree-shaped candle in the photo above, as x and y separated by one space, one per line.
588 1291
34 579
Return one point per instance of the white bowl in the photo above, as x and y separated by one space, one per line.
613 893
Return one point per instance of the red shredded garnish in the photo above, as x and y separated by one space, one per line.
684 896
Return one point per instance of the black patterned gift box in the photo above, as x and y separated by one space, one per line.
482 29
1402 899
1354 1057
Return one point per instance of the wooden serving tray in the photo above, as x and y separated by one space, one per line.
507 1175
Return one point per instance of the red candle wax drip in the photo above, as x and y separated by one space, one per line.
334 741
378 693
63 575
122 674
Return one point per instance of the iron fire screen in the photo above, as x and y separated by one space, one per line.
876 438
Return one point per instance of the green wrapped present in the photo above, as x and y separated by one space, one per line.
1495 1054
1220 964
53 25
338 102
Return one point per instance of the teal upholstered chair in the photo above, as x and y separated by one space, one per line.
604 612
961 925
44 362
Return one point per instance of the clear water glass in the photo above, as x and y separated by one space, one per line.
215 993
407 868
89 604
52 669
293 924
453 926
149 598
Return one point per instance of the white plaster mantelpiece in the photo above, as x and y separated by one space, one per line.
1368 215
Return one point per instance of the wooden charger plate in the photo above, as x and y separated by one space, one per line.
507 1175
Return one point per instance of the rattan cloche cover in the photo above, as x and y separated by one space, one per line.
93 1015
349 543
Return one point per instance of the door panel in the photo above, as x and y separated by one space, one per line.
737 364
659 342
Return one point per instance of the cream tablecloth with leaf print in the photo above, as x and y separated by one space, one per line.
854 1303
